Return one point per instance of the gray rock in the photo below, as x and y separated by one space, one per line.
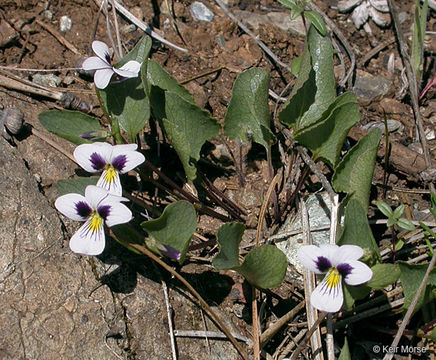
318 208
200 12
46 292
368 87
280 19
47 80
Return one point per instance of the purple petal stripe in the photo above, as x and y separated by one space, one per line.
344 269
323 264
83 209
104 211
97 161
119 162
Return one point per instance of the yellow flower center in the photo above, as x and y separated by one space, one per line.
111 172
333 278
96 221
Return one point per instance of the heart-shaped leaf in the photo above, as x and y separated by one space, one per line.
353 175
264 267
69 124
411 278
228 238
383 275
174 227
248 115
345 351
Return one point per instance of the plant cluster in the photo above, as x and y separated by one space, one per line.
137 88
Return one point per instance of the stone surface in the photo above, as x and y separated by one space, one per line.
368 87
200 12
7 34
47 80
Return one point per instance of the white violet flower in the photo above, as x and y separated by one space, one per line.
340 263
96 208
103 68
110 160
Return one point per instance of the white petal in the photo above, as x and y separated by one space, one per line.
132 159
88 242
347 253
327 299
95 195
95 63
308 256
360 274
101 50
129 69
66 204
102 77
329 251
119 213
110 183
83 155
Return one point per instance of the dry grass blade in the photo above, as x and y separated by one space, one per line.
309 286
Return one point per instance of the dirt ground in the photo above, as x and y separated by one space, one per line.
217 52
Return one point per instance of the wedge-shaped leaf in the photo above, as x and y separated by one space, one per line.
353 293
326 137
354 173
174 227
126 103
317 57
264 267
158 82
69 124
228 237
383 275
76 185
411 278
187 127
247 117
356 230
345 351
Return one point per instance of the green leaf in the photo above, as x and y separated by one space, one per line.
391 221
345 351
248 115
229 237
405 224
187 127
398 211
383 275
158 82
411 278
356 230
174 227
317 57
354 173
69 124
126 103
326 137
353 293
76 185
317 21
384 208
264 267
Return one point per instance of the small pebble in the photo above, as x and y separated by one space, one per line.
48 14
65 23
47 80
429 134
200 12
393 125
68 80
127 29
